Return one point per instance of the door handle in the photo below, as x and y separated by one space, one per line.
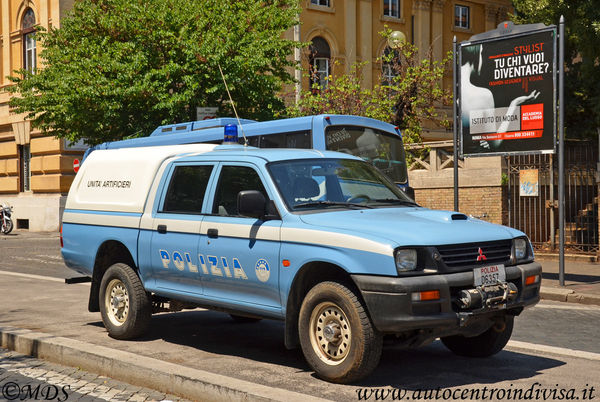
161 229
213 233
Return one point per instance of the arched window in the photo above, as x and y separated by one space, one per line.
29 47
390 62
320 55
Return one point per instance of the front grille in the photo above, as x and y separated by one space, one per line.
465 255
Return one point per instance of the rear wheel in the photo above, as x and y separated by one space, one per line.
337 337
487 344
125 306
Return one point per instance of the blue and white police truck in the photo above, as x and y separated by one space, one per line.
318 239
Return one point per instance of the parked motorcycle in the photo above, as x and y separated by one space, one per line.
6 224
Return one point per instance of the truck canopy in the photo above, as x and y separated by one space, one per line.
119 180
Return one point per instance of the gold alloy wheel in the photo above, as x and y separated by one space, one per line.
116 301
330 334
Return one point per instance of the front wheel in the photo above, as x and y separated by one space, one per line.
337 337
125 306
7 226
487 344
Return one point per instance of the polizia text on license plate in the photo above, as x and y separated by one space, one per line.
489 275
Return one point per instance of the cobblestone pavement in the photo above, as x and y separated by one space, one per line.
24 378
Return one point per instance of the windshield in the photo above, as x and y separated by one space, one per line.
384 150
310 184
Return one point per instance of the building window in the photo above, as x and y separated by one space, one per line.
391 8
320 55
324 3
29 46
461 17
25 167
390 62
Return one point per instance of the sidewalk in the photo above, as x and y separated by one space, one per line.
582 281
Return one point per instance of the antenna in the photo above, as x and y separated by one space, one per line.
233 105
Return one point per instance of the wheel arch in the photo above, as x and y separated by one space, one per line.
306 278
110 252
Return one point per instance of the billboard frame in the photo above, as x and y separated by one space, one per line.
506 30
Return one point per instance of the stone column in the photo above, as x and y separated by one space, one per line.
55 12
43 18
422 28
366 41
350 24
437 32
6 67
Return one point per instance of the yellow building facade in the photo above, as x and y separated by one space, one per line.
349 31
36 171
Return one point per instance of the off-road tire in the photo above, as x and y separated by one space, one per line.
243 319
121 285
487 344
355 351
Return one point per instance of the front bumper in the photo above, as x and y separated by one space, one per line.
392 310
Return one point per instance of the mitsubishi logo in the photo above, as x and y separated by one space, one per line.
481 257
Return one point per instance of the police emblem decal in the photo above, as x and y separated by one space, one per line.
263 272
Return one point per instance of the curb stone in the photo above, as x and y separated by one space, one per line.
568 295
144 371
556 294
584 298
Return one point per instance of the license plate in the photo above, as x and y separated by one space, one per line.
489 275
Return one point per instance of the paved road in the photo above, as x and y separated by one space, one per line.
25 378
539 358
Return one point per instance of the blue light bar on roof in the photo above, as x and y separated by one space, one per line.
230 135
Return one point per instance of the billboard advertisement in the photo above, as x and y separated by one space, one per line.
507 99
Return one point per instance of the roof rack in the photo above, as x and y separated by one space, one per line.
197 125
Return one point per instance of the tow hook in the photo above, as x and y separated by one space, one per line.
487 296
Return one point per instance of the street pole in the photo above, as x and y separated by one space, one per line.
456 120
561 152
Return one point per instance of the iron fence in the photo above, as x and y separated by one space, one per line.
537 215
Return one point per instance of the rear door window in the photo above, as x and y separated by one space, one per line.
186 190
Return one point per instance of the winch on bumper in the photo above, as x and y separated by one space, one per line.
450 300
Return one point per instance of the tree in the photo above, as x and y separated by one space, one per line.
582 59
119 68
409 99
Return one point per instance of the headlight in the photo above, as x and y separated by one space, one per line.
521 249
406 259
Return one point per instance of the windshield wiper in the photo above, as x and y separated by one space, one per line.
396 201
331 204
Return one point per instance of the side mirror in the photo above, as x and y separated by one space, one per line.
251 203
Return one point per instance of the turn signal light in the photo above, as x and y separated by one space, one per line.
532 279
426 295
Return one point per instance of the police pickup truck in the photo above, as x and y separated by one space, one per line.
319 239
